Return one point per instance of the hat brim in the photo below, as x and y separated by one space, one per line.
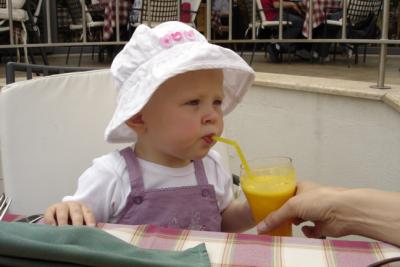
141 84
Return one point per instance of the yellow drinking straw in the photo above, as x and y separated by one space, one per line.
238 150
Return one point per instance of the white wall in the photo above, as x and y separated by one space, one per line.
334 140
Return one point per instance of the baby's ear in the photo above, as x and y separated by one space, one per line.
136 123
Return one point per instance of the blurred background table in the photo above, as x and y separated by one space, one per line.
110 16
320 8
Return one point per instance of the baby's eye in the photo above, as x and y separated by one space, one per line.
218 102
193 102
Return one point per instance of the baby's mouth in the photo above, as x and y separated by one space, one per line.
208 139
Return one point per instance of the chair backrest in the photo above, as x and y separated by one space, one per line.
16 4
18 11
260 15
75 10
362 18
51 128
160 11
249 9
359 10
259 10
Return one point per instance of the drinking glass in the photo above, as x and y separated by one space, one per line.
272 183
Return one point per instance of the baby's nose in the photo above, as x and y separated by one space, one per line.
211 116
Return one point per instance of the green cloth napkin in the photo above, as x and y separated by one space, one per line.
23 244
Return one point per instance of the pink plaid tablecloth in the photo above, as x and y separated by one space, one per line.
320 9
110 16
227 249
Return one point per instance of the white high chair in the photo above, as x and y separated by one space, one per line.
51 128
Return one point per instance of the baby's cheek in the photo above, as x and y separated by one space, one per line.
188 132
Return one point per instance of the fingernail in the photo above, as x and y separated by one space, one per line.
262 227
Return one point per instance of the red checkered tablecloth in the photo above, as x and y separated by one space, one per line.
320 8
232 249
110 16
228 249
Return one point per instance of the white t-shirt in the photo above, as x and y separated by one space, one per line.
105 186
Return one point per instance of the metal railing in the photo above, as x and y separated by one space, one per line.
41 70
383 41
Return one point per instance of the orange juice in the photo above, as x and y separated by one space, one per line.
268 190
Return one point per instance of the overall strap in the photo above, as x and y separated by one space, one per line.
134 171
200 172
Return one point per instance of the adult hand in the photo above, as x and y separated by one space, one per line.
338 212
311 203
69 212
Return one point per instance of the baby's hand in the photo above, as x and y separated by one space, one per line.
69 212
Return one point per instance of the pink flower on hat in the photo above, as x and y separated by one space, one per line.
177 36
169 39
189 35
166 41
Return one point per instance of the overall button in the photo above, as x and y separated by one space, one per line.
205 193
137 200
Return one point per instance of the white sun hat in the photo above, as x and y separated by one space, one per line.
153 55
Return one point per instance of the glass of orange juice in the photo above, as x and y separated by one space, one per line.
272 183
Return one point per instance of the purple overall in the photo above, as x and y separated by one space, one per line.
187 207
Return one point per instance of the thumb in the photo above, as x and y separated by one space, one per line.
276 218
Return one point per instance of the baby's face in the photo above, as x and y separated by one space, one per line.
182 115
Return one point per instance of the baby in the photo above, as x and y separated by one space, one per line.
173 90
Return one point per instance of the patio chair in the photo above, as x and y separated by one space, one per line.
94 28
362 16
160 11
261 23
26 13
19 17
33 8
51 128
